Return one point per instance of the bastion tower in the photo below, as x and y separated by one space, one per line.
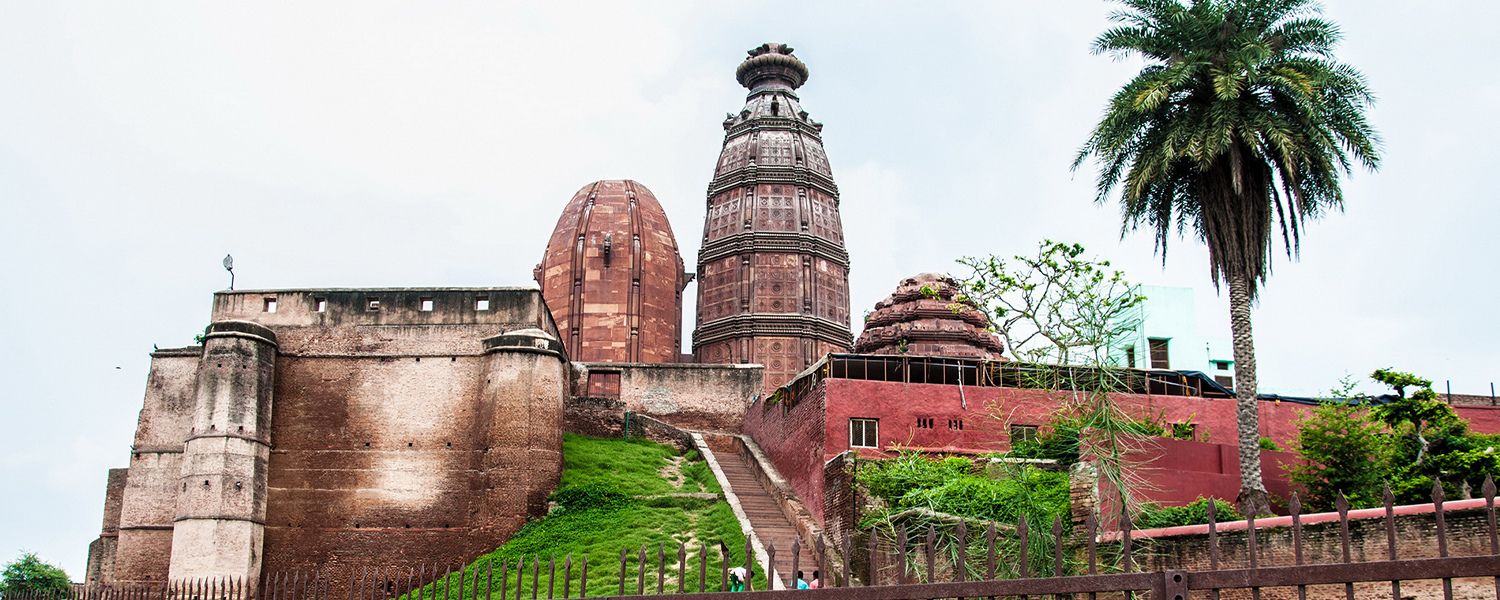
773 272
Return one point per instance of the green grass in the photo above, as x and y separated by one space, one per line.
631 466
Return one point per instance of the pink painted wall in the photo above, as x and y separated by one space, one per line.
799 439
899 405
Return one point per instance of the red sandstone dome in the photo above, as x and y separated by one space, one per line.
923 322
613 278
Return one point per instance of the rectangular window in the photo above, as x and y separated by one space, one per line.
1130 357
1159 353
320 304
1222 365
864 433
372 303
956 424
424 304
1022 433
604 384
924 422
482 303
1225 380
270 305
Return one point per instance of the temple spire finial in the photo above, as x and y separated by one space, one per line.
771 63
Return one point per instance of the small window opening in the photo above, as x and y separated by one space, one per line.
424 304
372 304
924 422
482 303
1225 380
1130 357
956 424
1022 433
270 305
1159 353
320 304
864 433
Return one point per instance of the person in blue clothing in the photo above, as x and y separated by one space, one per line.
802 583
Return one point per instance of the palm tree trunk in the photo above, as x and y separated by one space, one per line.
1253 499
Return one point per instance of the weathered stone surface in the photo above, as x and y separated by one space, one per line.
773 272
924 317
424 427
693 396
613 277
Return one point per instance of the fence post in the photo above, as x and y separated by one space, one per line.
1172 586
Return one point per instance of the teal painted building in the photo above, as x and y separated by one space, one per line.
1166 336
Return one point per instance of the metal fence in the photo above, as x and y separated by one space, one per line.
939 566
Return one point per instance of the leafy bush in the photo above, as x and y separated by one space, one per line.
1343 452
1196 513
891 479
29 575
1038 495
1269 444
590 496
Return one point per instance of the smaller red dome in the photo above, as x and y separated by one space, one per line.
923 317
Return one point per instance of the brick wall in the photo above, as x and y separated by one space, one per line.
794 438
840 500
1416 537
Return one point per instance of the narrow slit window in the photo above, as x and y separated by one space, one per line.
424 304
320 304
270 305
372 304
482 303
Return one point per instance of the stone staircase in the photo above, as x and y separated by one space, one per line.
752 502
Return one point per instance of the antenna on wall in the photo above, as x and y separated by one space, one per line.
229 266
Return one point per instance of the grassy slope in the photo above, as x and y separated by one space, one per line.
632 466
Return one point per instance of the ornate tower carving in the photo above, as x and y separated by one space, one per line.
926 317
773 272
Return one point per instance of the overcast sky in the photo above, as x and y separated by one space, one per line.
412 144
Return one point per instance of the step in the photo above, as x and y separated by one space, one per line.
753 503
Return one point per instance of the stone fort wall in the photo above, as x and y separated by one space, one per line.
401 421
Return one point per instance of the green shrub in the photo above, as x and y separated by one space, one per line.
1269 444
590 496
1196 513
891 479
1038 495
29 575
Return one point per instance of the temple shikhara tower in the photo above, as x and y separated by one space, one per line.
773 272
613 277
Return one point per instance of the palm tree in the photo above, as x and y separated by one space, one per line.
1239 126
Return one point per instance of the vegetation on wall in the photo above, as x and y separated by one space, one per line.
920 492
